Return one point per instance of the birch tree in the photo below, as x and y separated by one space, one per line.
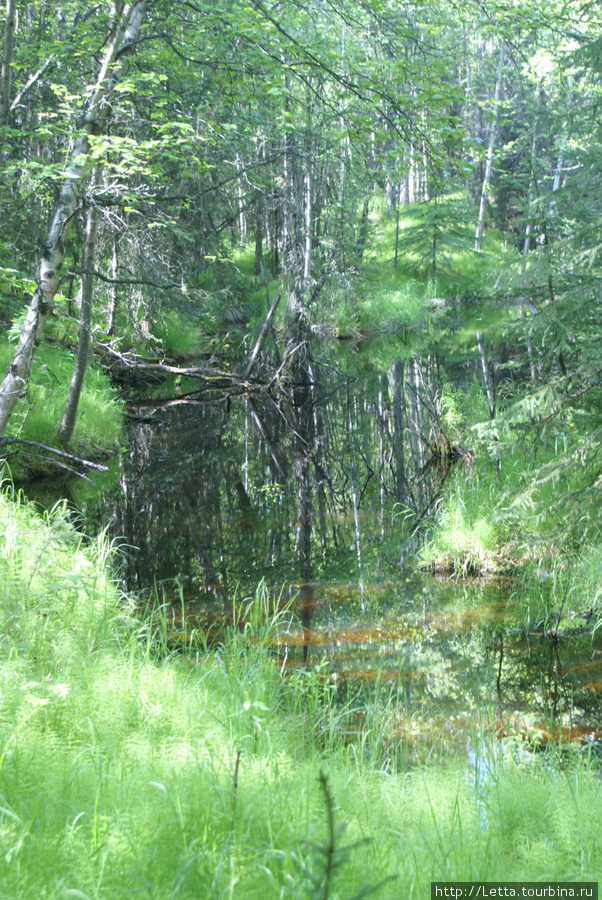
122 37
490 149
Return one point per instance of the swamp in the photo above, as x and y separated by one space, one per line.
301 442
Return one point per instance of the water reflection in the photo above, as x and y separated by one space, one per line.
302 487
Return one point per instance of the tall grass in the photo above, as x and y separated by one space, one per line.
470 535
127 771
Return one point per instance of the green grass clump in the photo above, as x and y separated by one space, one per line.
37 417
470 535
176 337
124 769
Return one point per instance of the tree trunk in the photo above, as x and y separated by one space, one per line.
532 185
67 425
489 383
92 123
114 288
489 166
7 58
259 213
308 226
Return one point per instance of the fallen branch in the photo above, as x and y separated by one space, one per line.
60 453
262 336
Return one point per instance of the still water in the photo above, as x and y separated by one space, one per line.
307 492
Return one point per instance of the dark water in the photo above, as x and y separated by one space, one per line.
308 490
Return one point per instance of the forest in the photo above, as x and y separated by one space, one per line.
300 436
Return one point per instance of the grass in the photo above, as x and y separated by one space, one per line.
37 417
467 535
124 769
175 336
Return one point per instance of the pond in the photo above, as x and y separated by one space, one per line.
307 492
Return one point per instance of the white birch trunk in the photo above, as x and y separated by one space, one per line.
489 165
489 384
532 187
92 123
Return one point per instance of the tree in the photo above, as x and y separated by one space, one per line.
122 36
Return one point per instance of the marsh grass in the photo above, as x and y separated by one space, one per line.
469 534
127 768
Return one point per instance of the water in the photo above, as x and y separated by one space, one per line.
301 489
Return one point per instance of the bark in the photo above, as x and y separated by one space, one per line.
489 165
50 62
92 122
489 383
7 58
390 194
532 186
363 232
67 425
308 226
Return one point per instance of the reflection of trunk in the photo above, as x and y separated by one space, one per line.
320 482
354 493
212 579
398 449
303 454
244 502
381 450
278 470
304 487
489 164
67 425
53 251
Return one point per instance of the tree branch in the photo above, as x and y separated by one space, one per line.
61 453
32 80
